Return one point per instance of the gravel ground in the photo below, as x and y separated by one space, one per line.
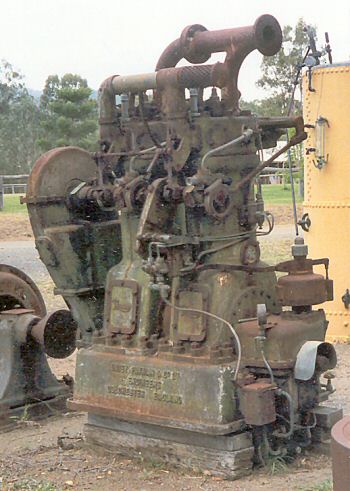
23 255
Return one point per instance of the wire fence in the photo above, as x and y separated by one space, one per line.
9 185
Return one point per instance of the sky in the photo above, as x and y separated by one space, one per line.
99 38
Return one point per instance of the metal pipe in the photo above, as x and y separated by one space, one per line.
196 43
244 138
266 363
295 216
297 138
171 55
134 83
267 444
291 415
163 294
200 76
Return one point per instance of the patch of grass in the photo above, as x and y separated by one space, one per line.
30 485
326 485
275 251
12 204
277 465
277 194
23 418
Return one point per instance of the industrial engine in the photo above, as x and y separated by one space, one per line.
190 350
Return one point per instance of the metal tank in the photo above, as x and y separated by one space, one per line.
327 183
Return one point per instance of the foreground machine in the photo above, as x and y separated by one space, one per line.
189 349
27 333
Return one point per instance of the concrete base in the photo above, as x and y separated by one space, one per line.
228 456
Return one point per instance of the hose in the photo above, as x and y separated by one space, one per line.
268 446
213 316
291 416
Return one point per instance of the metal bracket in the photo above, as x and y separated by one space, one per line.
346 299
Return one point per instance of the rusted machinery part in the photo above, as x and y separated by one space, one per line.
196 43
340 448
56 333
200 76
65 164
18 290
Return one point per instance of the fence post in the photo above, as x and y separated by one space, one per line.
1 193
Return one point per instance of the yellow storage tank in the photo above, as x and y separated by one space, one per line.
327 183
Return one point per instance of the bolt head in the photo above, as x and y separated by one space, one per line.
299 248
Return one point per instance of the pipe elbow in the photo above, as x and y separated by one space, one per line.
107 109
183 48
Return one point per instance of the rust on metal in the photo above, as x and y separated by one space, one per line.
340 449
25 332
56 332
153 243
303 287
18 290
258 403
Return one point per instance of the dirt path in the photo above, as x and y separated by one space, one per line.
15 226
32 459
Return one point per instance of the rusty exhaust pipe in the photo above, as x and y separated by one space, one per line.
196 44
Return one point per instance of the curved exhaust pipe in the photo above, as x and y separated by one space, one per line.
196 44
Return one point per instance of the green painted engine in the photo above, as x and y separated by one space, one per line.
189 348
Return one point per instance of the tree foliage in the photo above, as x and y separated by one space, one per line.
270 106
69 113
11 86
66 116
19 123
278 71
